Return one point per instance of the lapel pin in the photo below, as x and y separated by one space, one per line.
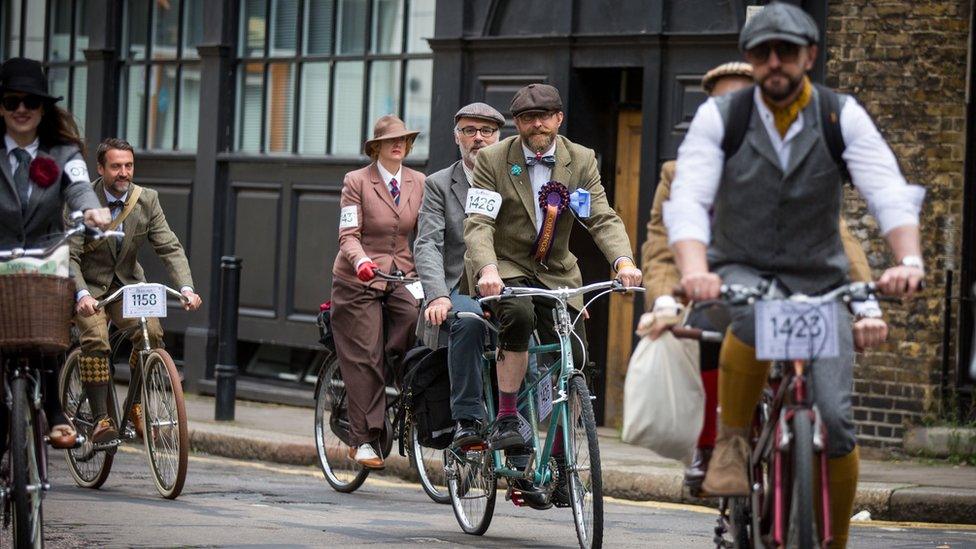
516 170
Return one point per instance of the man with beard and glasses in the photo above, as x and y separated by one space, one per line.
512 240
766 209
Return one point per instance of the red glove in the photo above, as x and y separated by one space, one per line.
366 270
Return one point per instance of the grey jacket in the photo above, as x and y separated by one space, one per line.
439 249
45 211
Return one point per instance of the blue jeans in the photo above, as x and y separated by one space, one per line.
466 343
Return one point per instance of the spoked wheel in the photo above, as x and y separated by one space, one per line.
332 430
472 487
164 423
25 456
585 476
90 468
733 531
802 532
429 464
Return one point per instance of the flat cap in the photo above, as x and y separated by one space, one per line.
779 21
734 68
481 111
536 98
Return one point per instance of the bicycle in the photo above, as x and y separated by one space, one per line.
788 438
34 325
332 423
164 427
473 471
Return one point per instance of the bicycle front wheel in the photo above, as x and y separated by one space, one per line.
332 430
429 464
164 423
25 468
89 468
472 486
583 468
802 530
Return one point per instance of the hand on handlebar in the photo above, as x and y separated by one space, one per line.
629 276
489 283
366 271
901 281
701 286
193 300
869 332
436 311
86 306
98 217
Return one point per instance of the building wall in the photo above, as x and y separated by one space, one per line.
906 63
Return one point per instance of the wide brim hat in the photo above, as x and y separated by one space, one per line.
20 74
388 126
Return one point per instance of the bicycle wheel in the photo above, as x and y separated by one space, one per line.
25 469
89 468
332 428
585 475
802 531
429 464
472 486
164 423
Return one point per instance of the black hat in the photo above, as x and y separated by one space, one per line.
25 75
536 98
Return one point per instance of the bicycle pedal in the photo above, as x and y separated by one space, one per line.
477 447
516 497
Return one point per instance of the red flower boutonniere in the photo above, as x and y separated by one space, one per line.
44 171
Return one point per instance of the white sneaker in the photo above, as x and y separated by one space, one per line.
366 456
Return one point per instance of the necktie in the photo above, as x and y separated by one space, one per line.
395 191
22 177
547 160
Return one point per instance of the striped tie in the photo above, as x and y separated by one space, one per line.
395 191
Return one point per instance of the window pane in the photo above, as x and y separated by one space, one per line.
252 28
136 29
347 109
189 108
313 125
284 27
36 24
81 29
387 26
59 45
162 107
57 81
192 28
318 27
280 109
79 96
420 25
417 107
384 89
250 84
351 30
166 29
133 104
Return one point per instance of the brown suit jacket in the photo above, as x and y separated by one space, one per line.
384 231
657 260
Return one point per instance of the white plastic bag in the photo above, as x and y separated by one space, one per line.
664 400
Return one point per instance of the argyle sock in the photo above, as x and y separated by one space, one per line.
94 373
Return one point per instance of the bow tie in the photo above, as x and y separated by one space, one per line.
116 205
548 160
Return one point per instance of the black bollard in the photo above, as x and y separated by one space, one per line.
225 371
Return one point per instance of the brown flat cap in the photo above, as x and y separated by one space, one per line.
536 98
481 111
389 126
734 68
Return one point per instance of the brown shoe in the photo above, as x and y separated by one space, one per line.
62 436
728 469
366 456
105 431
135 415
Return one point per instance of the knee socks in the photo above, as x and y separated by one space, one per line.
94 373
740 382
842 472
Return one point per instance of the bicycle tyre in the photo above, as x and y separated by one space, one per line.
89 468
24 469
425 462
802 531
342 473
473 488
164 424
583 487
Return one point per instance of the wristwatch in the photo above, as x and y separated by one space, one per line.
913 261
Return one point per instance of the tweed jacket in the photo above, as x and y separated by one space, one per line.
657 260
372 226
439 250
44 217
96 263
507 240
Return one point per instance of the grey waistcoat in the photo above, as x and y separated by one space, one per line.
783 223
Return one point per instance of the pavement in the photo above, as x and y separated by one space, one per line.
904 490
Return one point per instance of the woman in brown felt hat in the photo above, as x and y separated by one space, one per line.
377 219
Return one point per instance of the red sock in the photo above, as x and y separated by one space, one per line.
557 443
707 437
507 404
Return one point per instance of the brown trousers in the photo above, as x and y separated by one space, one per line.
358 321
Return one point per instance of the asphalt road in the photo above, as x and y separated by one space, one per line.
229 503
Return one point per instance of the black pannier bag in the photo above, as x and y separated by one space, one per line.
427 397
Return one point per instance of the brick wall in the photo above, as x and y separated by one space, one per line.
906 63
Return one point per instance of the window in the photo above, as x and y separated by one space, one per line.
159 103
313 75
22 28
67 39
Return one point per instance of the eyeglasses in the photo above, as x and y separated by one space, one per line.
32 102
485 131
531 117
787 52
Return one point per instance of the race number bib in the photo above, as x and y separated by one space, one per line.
525 428
543 397
147 301
348 217
483 201
789 330
416 289
77 170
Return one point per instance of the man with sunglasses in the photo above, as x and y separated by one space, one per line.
439 254
766 209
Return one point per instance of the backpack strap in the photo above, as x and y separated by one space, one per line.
739 112
830 105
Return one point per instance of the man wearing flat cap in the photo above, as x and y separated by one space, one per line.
513 240
755 200
439 253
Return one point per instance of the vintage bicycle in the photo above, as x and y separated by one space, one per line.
155 379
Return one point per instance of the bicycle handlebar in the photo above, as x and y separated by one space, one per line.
78 221
737 294
560 294
117 293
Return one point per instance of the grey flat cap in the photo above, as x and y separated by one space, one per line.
481 111
779 21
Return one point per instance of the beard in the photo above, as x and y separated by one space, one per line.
538 141
780 94
469 155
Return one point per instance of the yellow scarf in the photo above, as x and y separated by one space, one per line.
784 117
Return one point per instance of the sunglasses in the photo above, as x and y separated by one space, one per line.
787 52
32 102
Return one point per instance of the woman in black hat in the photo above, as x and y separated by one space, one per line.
43 169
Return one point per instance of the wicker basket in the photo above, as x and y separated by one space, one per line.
35 312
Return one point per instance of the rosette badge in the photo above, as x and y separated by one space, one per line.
553 200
